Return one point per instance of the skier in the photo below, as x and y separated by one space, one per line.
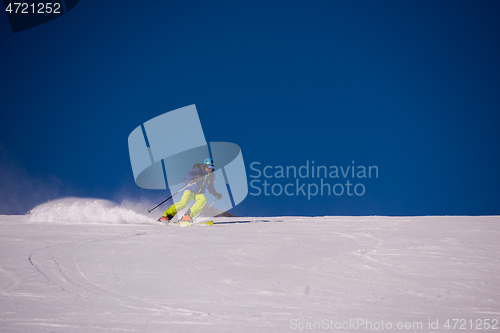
203 179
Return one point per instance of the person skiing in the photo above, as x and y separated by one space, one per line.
202 177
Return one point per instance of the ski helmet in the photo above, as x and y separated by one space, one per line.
209 163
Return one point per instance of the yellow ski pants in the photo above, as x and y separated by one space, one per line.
200 201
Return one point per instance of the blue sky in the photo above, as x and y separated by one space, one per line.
409 86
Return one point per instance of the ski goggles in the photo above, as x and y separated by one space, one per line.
209 166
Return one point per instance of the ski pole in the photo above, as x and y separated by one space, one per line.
161 203
204 209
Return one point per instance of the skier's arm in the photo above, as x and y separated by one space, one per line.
211 188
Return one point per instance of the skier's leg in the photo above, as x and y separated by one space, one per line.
187 196
201 200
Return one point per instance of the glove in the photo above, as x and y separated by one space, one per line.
218 196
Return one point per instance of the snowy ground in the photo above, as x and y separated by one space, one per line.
282 274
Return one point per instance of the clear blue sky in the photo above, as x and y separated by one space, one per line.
409 86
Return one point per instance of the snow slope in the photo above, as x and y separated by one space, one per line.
100 273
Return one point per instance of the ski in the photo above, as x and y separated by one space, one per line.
180 223
203 223
187 224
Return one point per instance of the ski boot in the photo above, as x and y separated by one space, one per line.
165 219
186 218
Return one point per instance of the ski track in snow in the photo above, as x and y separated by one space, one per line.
246 274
